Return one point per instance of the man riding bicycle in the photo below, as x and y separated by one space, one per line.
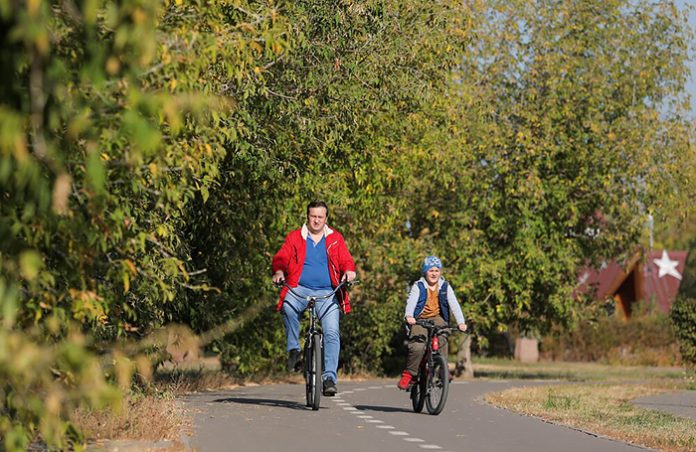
313 260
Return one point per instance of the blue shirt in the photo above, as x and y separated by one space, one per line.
315 273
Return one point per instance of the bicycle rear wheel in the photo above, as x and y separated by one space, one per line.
418 390
314 371
438 385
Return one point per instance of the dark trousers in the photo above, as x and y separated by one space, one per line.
416 344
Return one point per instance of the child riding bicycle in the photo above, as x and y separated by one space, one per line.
432 298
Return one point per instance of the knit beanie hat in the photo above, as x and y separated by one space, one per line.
430 262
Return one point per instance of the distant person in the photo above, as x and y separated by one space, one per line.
431 298
313 260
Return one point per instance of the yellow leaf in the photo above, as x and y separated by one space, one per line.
33 6
113 65
139 16
131 266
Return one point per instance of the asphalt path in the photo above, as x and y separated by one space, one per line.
681 403
375 416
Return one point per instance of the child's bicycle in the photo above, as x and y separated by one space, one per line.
313 352
431 385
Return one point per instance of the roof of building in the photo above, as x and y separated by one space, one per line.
653 276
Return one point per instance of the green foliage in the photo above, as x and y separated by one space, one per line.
42 384
683 318
111 127
153 155
567 163
500 136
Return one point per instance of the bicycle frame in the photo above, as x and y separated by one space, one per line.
314 347
431 385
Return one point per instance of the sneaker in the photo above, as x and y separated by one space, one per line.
294 360
405 381
329 388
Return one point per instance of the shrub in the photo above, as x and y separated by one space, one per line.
647 338
683 318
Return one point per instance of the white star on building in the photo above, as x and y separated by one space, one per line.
667 266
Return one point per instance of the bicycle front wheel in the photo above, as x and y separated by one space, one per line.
309 374
438 385
315 370
419 390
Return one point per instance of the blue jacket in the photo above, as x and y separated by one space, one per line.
445 295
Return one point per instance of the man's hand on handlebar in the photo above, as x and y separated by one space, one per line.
410 320
462 327
348 276
278 277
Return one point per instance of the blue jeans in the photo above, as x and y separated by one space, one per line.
328 312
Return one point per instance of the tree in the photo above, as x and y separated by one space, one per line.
583 136
516 140
339 118
110 116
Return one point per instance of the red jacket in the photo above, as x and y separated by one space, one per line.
291 256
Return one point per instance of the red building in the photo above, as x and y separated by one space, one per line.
655 276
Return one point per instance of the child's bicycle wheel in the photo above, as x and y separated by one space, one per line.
438 385
419 390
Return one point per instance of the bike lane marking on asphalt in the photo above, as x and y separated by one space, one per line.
347 406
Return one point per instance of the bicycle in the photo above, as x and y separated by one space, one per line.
431 385
313 350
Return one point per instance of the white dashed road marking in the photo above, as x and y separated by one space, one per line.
347 406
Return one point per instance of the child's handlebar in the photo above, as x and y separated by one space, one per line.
430 325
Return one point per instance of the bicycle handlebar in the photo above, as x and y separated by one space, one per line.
320 297
430 325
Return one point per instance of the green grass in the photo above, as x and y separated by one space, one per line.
597 398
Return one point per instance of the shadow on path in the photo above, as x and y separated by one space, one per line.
384 409
265 402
